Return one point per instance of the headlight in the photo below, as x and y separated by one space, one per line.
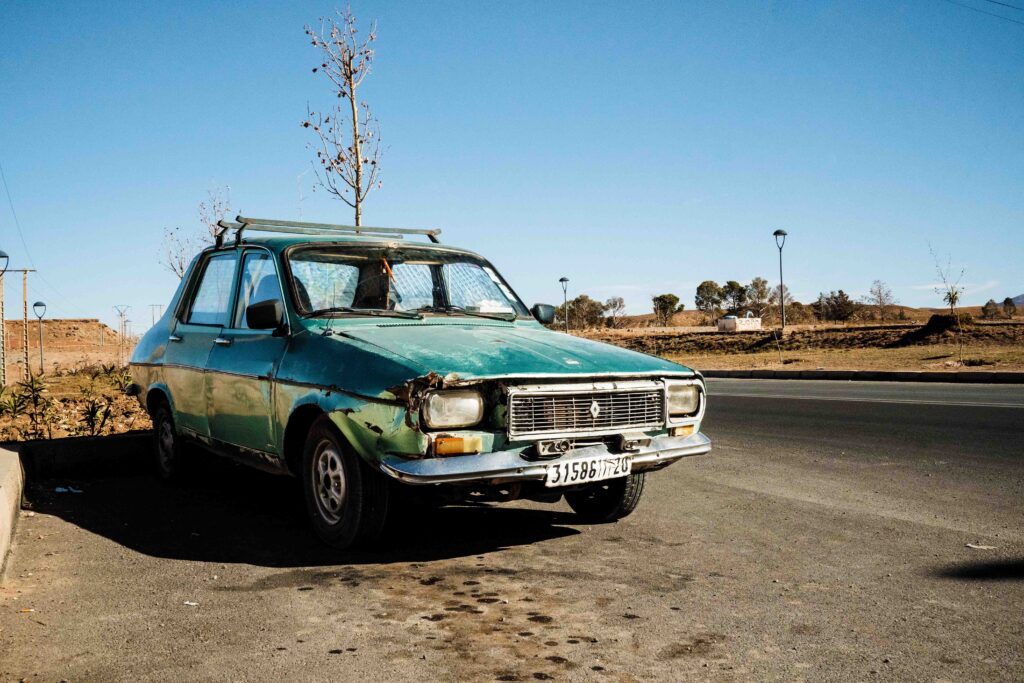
462 408
683 399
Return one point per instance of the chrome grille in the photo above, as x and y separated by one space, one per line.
535 413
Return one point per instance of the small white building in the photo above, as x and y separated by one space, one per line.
731 323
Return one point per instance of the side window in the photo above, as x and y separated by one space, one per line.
259 283
213 295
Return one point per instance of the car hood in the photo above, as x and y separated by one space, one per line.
474 350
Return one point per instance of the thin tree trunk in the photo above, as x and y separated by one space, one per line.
356 147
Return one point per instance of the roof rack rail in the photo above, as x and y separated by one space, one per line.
242 224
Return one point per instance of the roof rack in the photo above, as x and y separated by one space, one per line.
242 224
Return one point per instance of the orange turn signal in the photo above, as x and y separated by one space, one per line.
457 445
684 430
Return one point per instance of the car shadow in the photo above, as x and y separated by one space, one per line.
233 514
990 570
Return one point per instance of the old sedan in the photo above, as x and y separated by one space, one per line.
377 369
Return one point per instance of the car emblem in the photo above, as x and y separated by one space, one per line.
595 409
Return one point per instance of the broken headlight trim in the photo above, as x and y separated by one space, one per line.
453 408
683 398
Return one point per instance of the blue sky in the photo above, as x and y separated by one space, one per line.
637 148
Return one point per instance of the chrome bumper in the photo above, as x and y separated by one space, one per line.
505 466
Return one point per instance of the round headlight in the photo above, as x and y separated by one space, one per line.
446 409
683 399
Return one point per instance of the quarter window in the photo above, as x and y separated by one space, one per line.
259 283
213 296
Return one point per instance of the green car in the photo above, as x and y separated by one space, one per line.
382 370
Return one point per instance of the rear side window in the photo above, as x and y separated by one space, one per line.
259 283
213 295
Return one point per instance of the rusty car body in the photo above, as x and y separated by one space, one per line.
377 368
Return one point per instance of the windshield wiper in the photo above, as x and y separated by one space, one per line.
382 312
449 310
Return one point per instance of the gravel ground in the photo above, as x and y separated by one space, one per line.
821 540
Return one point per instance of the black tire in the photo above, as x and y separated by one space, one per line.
607 501
171 454
346 500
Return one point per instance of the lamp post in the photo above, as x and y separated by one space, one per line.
565 300
780 241
4 259
39 308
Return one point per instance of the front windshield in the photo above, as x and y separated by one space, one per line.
336 280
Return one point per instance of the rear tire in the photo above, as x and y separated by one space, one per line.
346 500
171 454
607 501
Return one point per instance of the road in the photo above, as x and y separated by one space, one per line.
825 538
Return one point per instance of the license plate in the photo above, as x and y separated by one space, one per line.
584 470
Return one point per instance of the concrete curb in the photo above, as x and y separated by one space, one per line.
960 377
12 481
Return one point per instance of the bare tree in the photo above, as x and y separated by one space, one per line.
181 245
881 297
950 290
348 137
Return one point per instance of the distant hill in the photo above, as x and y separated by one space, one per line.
1019 299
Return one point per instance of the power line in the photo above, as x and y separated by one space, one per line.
1006 4
981 11
24 244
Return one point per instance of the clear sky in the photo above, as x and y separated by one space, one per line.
636 148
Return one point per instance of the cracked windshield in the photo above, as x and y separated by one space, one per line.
399 282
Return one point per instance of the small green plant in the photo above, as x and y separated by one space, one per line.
38 407
94 415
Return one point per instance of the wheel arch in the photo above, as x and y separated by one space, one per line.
157 394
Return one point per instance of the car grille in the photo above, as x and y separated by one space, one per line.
584 412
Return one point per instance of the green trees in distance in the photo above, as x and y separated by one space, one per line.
666 306
991 310
837 306
709 298
1009 308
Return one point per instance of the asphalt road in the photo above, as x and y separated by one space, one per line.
825 538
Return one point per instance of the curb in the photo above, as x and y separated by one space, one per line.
960 377
12 481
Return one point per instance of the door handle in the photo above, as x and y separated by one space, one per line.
221 341
174 338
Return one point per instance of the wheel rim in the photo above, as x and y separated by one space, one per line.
329 482
165 444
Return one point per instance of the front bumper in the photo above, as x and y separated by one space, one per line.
505 466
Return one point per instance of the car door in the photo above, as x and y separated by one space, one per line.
243 363
200 319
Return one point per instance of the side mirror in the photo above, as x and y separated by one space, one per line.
265 315
544 313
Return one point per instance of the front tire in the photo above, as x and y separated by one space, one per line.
346 501
171 455
607 501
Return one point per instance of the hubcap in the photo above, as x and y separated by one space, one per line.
329 481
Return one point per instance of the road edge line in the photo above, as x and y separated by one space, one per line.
958 377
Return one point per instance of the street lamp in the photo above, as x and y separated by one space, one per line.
39 308
780 241
4 259
565 301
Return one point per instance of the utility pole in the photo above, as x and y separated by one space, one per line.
156 311
121 311
24 323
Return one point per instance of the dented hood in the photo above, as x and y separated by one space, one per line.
478 350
